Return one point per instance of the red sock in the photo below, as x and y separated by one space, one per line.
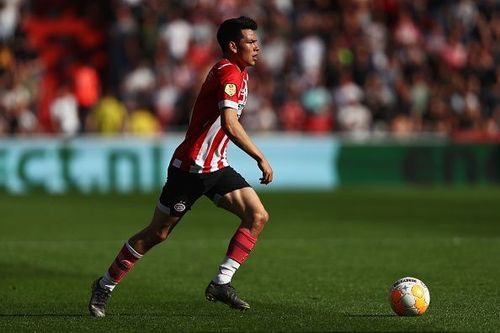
123 263
240 246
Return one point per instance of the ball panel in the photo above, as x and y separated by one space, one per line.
420 305
408 300
398 308
427 296
417 291
396 296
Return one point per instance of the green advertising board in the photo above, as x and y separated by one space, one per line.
413 163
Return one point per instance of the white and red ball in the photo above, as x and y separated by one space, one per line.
409 297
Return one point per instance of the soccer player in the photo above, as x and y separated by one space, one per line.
199 167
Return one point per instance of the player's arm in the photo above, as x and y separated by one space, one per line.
238 135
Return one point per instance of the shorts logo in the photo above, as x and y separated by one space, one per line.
230 89
180 207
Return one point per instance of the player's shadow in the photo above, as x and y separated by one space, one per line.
86 315
16 315
28 271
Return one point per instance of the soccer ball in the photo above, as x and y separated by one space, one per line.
409 297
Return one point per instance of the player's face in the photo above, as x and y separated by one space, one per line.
248 49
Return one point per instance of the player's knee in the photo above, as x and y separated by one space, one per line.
260 218
160 236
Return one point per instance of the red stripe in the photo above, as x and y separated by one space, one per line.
215 143
248 236
241 246
122 264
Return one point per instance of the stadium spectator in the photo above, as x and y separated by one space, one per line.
354 118
9 18
108 117
86 87
64 112
380 100
291 114
317 102
166 96
142 122
139 80
176 33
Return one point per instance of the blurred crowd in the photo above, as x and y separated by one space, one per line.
356 67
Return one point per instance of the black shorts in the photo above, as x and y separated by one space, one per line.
183 188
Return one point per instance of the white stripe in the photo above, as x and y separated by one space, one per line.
134 252
218 155
223 66
228 104
107 282
207 143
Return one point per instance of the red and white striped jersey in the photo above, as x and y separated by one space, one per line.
204 148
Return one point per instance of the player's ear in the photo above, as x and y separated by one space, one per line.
233 48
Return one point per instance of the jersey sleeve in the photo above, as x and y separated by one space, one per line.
229 87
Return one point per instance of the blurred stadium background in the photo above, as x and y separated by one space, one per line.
381 119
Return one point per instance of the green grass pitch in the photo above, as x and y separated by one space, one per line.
325 262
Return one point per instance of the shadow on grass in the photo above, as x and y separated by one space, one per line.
49 315
24 270
80 315
370 315
203 317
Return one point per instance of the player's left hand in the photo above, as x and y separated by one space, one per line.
267 171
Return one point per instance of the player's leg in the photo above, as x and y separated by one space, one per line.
157 231
234 194
245 204
178 194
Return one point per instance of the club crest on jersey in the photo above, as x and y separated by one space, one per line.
180 207
230 89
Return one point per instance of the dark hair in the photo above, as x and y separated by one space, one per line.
230 30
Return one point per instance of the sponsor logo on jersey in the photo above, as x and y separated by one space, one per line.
230 89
